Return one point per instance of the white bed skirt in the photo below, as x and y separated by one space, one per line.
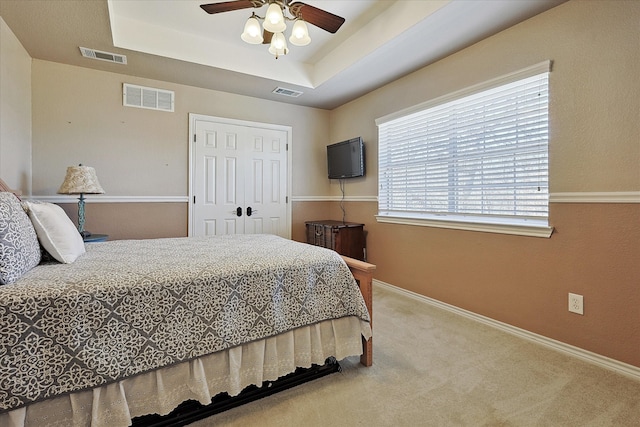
200 379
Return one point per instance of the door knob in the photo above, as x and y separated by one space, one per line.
239 211
251 211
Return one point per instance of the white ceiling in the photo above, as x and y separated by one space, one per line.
175 40
182 30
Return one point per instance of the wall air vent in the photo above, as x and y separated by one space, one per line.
103 56
147 97
287 92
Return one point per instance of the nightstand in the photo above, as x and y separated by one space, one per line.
93 238
346 238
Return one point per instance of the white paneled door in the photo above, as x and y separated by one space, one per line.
239 178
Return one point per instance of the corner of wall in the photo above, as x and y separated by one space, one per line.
15 111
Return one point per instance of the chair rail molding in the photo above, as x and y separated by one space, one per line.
334 198
113 199
560 197
596 197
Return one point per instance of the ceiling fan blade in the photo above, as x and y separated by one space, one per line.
227 6
266 37
318 17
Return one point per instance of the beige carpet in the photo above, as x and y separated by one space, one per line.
434 368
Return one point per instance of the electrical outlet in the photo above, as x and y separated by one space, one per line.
576 303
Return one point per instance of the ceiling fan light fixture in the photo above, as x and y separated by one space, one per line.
278 45
274 19
300 34
252 33
271 32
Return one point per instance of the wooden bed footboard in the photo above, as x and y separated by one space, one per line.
363 273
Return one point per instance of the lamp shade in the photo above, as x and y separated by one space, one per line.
300 34
278 45
274 19
252 32
80 179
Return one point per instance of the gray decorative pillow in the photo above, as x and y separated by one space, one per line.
19 247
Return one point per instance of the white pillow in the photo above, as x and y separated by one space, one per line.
57 234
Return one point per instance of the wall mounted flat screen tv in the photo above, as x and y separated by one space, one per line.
346 159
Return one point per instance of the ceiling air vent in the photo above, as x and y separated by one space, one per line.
287 92
147 97
103 56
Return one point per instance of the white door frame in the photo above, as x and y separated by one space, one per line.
193 117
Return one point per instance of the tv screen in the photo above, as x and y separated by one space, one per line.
346 159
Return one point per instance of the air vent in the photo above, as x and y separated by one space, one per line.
103 56
287 92
147 97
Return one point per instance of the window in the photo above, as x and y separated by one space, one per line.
474 159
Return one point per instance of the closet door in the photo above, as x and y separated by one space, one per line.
239 179
217 184
265 177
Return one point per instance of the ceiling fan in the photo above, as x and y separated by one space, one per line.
274 21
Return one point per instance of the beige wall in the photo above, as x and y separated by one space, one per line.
15 111
594 251
594 147
133 220
594 91
78 117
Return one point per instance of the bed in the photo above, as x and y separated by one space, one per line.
135 327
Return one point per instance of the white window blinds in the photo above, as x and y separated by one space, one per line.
481 153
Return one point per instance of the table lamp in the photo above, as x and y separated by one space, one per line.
81 180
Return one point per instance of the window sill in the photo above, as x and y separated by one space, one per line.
529 228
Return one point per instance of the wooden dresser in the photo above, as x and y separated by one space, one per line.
346 238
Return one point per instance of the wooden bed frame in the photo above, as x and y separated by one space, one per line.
363 273
4 187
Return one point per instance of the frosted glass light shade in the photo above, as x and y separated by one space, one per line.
252 33
274 19
278 45
300 34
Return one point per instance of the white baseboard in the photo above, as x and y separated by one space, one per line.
588 356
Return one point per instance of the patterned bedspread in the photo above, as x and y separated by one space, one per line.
130 306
